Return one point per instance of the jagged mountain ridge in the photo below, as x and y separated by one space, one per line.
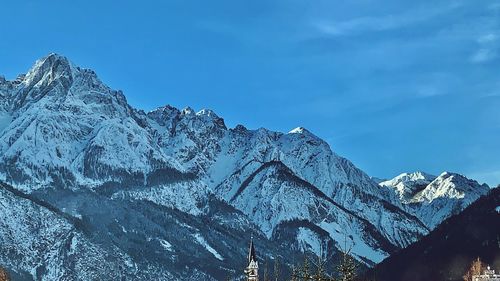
81 148
65 132
230 156
67 125
434 198
406 185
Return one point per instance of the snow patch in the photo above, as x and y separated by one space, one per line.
298 130
166 245
207 246
308 239
73 245
207 112
359 246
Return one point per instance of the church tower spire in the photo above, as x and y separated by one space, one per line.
252 270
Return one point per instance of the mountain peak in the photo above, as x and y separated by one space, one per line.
208 113
416 176
406 185
409 177
167 107
163 114
56 56
453 177
451 185
299 130
240 128
53 59
187 111
48 69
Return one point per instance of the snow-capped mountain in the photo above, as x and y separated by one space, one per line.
179 185
68 126
227 158
433 199
407 185
273 195
79 151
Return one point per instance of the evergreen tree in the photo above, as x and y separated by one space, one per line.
347 266
305 270
311 271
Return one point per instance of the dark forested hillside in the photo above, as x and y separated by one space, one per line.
447 251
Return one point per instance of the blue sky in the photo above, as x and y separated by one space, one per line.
394 86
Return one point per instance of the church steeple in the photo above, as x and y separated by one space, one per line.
252 270
251 252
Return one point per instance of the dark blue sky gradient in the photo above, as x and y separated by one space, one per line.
394 86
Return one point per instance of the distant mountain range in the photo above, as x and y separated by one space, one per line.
176 194
447 252
433 199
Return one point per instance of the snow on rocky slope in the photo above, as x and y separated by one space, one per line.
37 242
82 235
433 199
226 158
274 195
407 185
68 126
67 138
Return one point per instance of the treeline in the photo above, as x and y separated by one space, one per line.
315 268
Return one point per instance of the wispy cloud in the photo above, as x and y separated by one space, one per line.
488 38
483 55
382 23
360 24
488 48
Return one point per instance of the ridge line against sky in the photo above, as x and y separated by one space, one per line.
395 88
